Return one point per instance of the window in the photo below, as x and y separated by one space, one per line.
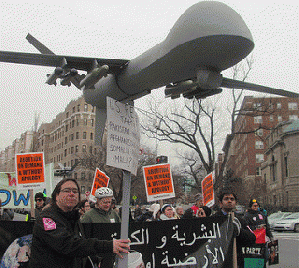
84 148
257 106
92 122
258 171
65 152
279 118
271 118
258 119
82 175
76 148
85 122
78 107
84 135
259 145
74 109
293 117
293 105
286 166
65 140
91 136
278 105
85 107
77 135
259 158
66 128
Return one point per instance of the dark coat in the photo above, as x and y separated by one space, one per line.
245 238
57 241
254 218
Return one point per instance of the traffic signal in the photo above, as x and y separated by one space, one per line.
161 159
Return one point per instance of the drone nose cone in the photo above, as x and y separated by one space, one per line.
207 18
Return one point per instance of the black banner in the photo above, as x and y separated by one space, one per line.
201 242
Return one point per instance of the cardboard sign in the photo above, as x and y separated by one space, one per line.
123 136
30 170
158 182
208 190
100 180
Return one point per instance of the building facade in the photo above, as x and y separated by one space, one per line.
248 146
24 144
281 169
68 139
65 141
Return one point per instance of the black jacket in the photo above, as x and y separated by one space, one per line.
57 241
245 238
254 218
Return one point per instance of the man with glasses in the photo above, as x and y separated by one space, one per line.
58 240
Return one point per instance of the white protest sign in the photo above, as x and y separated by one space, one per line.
123 136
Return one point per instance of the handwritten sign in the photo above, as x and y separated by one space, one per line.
158 182
123 136
30 170
208 190
100 180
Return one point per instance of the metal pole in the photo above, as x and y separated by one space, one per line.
124 232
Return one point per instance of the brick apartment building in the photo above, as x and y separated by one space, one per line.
248 147
68 138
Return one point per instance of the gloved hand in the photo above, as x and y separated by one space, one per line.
237 226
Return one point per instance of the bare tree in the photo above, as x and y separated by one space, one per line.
197 125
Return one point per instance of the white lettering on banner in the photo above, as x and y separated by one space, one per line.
123 136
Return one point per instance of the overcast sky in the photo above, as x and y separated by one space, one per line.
122 29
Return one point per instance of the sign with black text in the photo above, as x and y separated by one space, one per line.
123 136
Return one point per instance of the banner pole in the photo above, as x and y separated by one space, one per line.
235 263
124 232
32 210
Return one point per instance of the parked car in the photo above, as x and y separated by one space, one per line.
274 217
290 223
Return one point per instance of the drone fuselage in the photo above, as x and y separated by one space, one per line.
208 36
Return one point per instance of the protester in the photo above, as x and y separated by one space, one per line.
40 203
255 219
189 214
83 207
198 203
203 212
167 213
137 212
56 234
244 237
102 212
179 211
6 214
150 214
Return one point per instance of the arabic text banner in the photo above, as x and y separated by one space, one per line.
202 242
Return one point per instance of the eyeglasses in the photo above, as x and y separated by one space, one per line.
69 190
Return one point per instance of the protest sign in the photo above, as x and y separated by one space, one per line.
123 136
100 180
30 170
208 190
158 182
201 242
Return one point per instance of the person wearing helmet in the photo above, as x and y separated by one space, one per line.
102 212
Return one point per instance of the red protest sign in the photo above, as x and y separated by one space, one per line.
30 170
208 190
158 182
100 180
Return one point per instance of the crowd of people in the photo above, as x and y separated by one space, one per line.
59 237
